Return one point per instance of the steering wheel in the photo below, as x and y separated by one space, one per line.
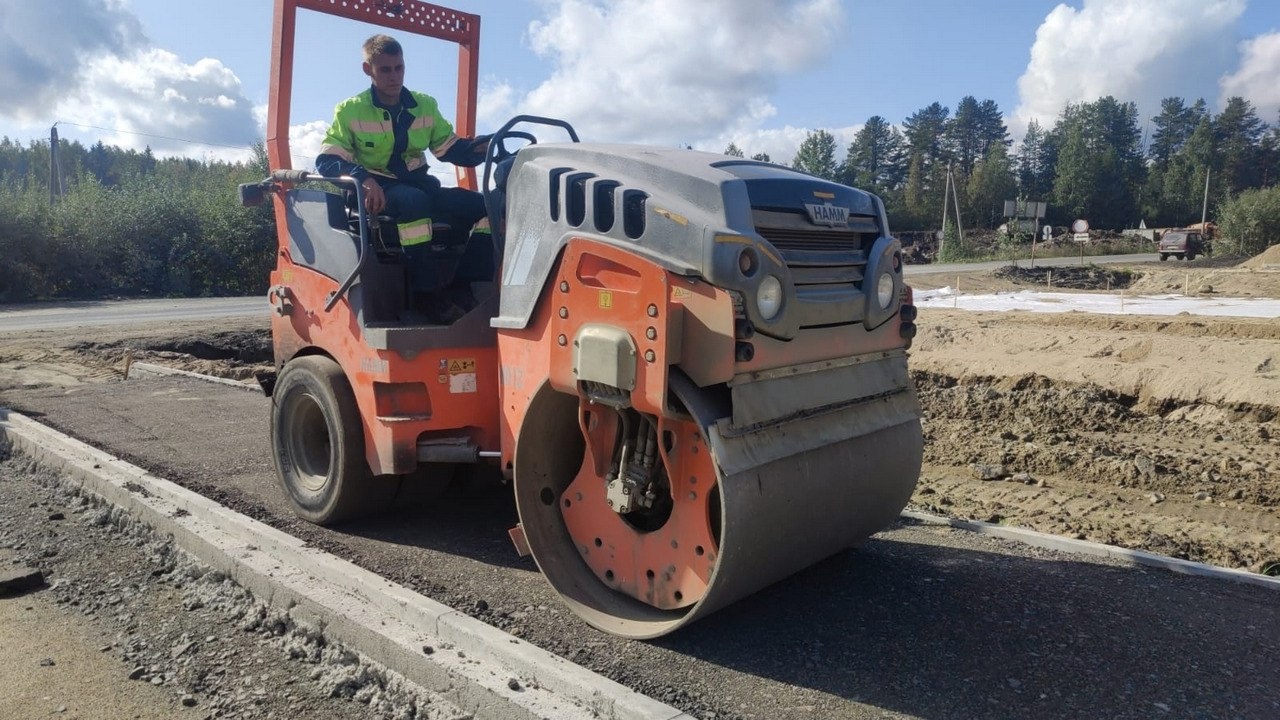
498 144
498 153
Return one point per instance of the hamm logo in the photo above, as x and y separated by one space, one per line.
829 215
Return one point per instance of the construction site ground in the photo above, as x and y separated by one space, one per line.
1147 432
1152 433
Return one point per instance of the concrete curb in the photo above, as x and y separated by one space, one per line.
1084 547
471 663
143 369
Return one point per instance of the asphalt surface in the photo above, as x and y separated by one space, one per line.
921 621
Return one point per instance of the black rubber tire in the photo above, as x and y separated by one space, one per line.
1178 255
1191 256
317 442
1163 257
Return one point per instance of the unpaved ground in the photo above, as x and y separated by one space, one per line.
128 626
1157 433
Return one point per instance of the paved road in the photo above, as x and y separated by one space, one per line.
919 622
90 313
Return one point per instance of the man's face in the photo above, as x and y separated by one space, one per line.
387 73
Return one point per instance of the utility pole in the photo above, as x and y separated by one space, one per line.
946 198
1204 209
53 165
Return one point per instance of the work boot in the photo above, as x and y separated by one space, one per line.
460 294
437 308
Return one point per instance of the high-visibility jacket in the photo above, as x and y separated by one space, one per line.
364 134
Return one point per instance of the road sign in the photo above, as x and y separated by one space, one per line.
1081 237
1047 232
1080 226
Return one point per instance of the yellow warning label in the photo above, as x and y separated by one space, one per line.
606 299
679 293
462 365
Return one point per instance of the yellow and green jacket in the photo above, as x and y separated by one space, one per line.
369 137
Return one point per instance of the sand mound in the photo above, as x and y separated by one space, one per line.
1268 257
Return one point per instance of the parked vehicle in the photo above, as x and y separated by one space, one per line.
1182 244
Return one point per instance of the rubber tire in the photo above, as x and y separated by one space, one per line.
317 443
1163 257
1178 255
1191 256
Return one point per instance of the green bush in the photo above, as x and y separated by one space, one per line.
175 229
1250 222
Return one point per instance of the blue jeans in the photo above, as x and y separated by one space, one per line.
430 270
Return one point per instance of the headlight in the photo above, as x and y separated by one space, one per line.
769 297
884 290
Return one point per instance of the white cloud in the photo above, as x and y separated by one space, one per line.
671 72
43 43
1258 78
304 143
1139 50
152 98
88 62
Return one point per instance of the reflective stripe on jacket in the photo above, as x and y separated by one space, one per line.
363 133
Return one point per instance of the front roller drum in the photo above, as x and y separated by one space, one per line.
713 539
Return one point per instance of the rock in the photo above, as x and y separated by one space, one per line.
1144 464
988 472
57 516
19 579
1024 478
181 648
188 701
1237 494
1156 498
1202 495
47 662
1205 289
428 650
137 673
513 683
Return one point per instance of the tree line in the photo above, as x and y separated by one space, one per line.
1095 162
126 223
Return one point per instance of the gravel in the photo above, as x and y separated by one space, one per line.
179 625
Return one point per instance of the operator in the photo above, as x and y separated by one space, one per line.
379 137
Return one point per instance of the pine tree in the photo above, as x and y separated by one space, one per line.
875 159
733 150
817 155
1238 136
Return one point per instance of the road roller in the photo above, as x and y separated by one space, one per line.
690 368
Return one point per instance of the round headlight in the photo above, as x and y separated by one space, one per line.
769 297
884 290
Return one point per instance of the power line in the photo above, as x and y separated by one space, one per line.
153 135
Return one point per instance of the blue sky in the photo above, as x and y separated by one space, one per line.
760 73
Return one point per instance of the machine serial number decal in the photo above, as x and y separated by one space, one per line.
606 299
377 366
462 383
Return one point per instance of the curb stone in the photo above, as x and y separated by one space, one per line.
386 622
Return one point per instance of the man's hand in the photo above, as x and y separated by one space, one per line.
374 199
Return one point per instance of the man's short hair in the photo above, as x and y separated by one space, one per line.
381 45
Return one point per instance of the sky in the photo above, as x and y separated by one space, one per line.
190 77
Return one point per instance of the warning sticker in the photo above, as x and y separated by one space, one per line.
462 365
679 293
462 383
606 299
